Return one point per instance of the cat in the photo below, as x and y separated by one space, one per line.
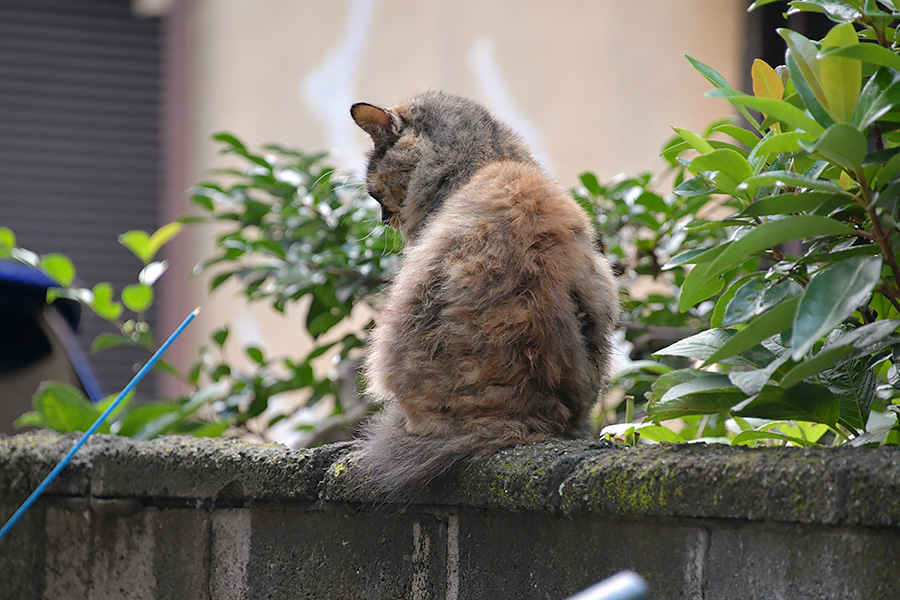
496 328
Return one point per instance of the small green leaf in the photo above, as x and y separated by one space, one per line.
695 141
7 241
161 236
103 303
832 296
694 256
139 243
785 204
781 143
705 394
152 272
137 297
59 268
255 354
220 335
110 340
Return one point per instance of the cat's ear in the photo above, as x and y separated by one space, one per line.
377 122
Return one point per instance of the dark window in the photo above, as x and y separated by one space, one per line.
80 141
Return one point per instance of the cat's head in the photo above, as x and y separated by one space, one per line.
426 149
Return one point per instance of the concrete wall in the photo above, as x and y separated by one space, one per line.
187 518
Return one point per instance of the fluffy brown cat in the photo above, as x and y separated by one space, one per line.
496 328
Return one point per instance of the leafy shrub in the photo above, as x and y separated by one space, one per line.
803 295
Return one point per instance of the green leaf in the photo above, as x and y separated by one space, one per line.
756 297
785 204
752 382
768 235
781 143
854 385
705 394
695 141
803 402
152 272
103 303
137 297
59 268
220 335
139 243
880 95
720 83
797 180
832 296
865 52
841 77
805 55
699 346
776 320
63 408
841 144
255 354
752 435
161 236
695 256
862 341
731 166
7 241
106 340
778 109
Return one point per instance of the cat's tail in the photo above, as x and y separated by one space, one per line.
398 462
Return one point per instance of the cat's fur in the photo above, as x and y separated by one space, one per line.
496 329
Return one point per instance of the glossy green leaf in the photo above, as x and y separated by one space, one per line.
803 402
859 342
152 272
59 268
699 346
106 340
778 109
767 235
805 55
756 297
804 93
785 204
704 394
781 143
731 166
752 382
832 296
837 10
880 95
137 297
866 52
777 320
694 256
841 144
841 77
255 354
796 180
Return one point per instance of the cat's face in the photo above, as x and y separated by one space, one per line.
392 161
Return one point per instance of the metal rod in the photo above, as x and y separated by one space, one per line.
65 460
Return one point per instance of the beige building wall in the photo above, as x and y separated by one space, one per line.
591 84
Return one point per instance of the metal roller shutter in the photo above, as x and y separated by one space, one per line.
80 98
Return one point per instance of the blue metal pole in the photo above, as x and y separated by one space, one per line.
65 460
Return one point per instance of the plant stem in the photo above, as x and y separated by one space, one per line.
882 237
